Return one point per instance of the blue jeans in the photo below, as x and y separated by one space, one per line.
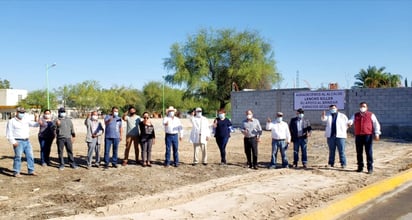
172 140
302 144
221 143
108 142
23 147
45 148
334 142
360 141
281 145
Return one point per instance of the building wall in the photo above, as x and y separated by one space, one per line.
392 107
10 97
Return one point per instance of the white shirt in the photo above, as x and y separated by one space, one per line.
341 125
174 126
200 129
280 130
19 128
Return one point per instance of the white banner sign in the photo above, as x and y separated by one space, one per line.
319 100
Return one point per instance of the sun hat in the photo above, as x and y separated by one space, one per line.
171 108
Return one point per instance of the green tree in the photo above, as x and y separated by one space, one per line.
5 84
373 77
37 99
210 62
84 95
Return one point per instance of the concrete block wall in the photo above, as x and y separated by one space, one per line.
392 107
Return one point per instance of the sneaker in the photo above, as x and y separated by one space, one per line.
44 164
204 164
255 167
115 165
304 166
343 166
17 175
61 167
33 174
75 167
272 167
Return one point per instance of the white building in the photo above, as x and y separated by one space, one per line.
9 99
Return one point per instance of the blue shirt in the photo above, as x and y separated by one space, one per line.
223 127
113 128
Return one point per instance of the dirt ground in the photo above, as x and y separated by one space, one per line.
188 192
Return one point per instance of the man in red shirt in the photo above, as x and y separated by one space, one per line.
367 128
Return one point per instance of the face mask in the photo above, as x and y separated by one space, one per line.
47 116
62 114
94 117
279 119
171 114
116 113
362 109
20 115
333 111
301 115
249 116
221 116
198 114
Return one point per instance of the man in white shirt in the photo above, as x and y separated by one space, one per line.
173 127
199 136
335 132
280 139
17 133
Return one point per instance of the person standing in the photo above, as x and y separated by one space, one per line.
280 139
199 136
47 133
113 136
251 131
147 139
65 138
93 138
173 127
300 130
222 127
132 134
17 134
335 132
367 128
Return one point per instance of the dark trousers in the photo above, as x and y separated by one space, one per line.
172 141
45 148
65 142
251 151
361 141
221 143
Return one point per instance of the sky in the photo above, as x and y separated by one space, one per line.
124 43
